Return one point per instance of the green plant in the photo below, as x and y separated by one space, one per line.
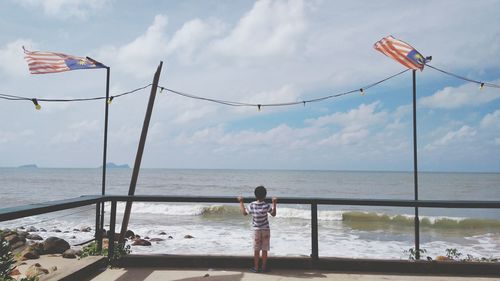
119 251
91 250
453 254
412 253
7 262
6 259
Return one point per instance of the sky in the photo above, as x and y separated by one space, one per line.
254 52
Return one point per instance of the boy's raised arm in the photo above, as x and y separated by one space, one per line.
273 212
242 206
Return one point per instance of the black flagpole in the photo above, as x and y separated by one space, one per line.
98 235
105 149
415 167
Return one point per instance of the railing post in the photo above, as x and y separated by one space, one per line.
111 234
98 230
314 232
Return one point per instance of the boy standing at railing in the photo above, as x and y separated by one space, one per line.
261 231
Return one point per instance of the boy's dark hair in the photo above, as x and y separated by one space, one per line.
260 192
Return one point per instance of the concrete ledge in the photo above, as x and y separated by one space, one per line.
93 265
405 267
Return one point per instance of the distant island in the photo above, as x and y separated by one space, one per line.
28 166
112 165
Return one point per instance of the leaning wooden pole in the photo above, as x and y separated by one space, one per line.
140 150
415 166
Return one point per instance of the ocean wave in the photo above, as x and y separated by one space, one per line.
354 218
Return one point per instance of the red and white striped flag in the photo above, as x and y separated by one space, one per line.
400 51
49 62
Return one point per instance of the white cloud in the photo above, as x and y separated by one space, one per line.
12 58
455 97
355 119
271 28
491 120
281 136
11 136
66 8
77 132
140 56
345 137
192 37
465 132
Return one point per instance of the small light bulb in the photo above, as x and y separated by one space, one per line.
37 106
110 100
362 91
258 107
481 86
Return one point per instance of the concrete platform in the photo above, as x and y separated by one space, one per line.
165 274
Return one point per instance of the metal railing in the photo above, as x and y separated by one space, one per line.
53 206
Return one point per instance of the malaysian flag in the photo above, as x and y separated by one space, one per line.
400 51
49 62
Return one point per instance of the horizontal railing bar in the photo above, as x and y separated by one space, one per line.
17 212
52 206
311 200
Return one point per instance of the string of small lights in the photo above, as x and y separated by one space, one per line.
361 90
480 83
261 105
37 100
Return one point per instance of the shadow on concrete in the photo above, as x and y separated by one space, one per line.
138 274
229 277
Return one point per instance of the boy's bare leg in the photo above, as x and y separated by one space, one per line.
264 260
256 256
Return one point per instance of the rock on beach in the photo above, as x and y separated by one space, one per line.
54 245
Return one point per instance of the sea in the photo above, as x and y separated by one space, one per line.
220 229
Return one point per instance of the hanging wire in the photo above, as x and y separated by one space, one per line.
12 97
480 83
260 105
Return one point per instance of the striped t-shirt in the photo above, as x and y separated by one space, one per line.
259 210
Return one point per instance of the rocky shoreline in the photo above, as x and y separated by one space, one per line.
28 244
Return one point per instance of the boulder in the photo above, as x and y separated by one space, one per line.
156 239
147 238
15 241
86 229
32 252
141 242
36 270
32 229
15 272
56 230
54 245
170 237
22 234
188 236
70 254
129 234
43 230
34 237
162 233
